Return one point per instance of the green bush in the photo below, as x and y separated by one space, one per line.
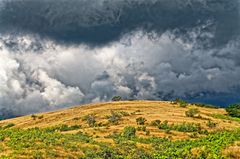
234 110
205 105
164 125
63 128
186 127
192 112
116 98
211 124
181 102
114 117
183 127
194 135
8 125
141 121
142 128
129 132
38 143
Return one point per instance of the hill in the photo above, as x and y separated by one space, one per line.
125 129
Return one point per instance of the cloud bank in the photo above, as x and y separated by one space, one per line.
58 54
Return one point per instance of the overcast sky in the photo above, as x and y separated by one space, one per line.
55 54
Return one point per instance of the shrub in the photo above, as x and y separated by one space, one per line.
9 125
148 132
142 128
194 135
186 127
129 132
114 117
90 119
192 112
40 117
155 123
234 110
205 105
181 102
116 98
164 125
34 116
211 124
183 127
141 121
63 128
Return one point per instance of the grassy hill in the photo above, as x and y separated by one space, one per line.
126 129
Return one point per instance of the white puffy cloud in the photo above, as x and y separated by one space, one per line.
53 75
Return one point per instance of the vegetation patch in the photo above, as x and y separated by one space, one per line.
155 123
116 98
114 118
225 117
141 120
192 112
34 117
9 125
234 110
63 127
205 105
90 119
183 127
142 128
129 132
118 134
181 102
210 146
211 124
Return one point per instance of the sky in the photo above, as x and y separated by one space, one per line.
56 54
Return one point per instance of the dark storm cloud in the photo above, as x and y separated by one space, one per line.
102 21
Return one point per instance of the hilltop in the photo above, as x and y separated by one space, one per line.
123 129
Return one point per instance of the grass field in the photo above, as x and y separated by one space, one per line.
125 129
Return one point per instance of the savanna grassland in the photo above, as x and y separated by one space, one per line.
124 129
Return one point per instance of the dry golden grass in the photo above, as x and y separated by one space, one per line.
151 110
233 151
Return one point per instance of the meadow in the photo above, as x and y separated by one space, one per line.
123 130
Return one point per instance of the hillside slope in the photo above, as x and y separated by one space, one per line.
81 131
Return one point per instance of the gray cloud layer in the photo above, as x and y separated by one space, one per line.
158 49
101 21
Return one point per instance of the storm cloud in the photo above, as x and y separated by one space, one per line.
102 21
55 54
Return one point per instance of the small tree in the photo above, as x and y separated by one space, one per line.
129 132
116 98
234 110
141 121
192 112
